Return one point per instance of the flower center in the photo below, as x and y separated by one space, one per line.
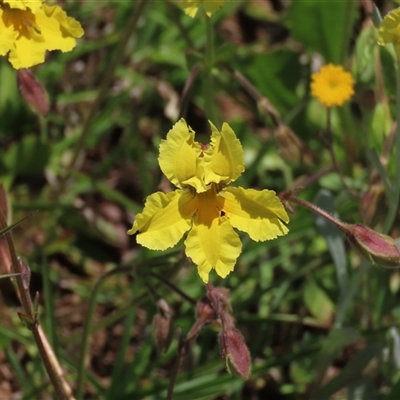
210 205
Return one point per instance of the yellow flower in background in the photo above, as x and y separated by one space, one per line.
203 205
29 28
389 31
210 6
332 85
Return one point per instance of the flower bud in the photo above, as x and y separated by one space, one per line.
379 248
219 298
162 325
205 311
33 92
235 352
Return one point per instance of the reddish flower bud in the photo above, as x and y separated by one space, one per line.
162 325
205 311
235 352
219 297
33 92
379 248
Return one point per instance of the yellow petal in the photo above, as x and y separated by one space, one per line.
164 220
180 158
389 27
389 31
224 160
48 29
8 36
211 6
212 242
259 213
190 7
57 29
217 246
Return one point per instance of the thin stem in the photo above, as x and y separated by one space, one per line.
333 155
81 371
182 349
118 371
351 291
263 103
103 90
53 368
309 180
49 304
43 129
16 268
320 211
183 346
184 102
208 83
189 299
50 361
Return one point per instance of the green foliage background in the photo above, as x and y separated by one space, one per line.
319 320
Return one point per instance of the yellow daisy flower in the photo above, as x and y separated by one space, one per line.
29 28
332 85
210 6
389 31
203 205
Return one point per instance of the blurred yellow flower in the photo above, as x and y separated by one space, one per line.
30 27
332 85
203 205
389 31
210 6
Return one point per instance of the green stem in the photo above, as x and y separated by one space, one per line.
81 371
119 363
102 92
333 155
208 83
43 129
50 361
351 291
49 302
393 197
185 96
319 211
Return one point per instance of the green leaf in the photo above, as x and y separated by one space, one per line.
10 227
380 126
364 65
337 339
359 366
276 75
27 157
323 26
317 301
333 237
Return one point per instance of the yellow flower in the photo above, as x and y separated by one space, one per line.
203 204
30 27
332 85
210 6
389 31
